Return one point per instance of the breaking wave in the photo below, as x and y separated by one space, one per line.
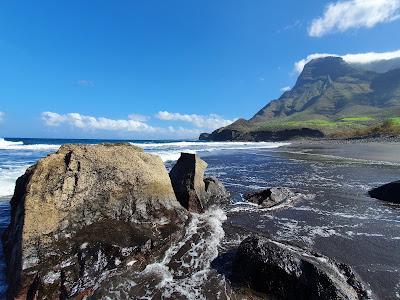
170 151
18 155
9 145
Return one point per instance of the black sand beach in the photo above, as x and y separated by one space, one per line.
388 152
336 217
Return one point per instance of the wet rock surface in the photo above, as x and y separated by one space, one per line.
285 271
388 192
270 197
81 213
216 193
191 189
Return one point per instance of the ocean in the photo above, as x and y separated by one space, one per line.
335 216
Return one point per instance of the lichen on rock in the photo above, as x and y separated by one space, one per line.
78 213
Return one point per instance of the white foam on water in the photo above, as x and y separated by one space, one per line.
19 158
171 155
8 145
171 151
186 264
167 151
4 143
8 176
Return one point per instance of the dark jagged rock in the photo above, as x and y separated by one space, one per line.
270 197
287 272
388 192
83 212
228 134
187 177
191 189
204 136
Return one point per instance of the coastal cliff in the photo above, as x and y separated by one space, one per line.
331 99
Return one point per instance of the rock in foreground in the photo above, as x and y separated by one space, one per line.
288 272
82 212
388 192
270 197
191 189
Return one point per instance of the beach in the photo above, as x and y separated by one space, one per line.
333 215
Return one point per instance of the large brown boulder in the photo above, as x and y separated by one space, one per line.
84 211
192 190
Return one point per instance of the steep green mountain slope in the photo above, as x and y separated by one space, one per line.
330 98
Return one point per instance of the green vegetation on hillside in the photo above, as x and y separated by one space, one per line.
395 121
356 119
335 98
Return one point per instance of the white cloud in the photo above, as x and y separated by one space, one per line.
343 15
132 124
138 117
2 115
85 82
93 123
359 58
285 89
210 122
299 65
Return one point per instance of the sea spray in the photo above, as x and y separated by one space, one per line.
184 271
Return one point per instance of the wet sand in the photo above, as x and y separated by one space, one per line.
373 151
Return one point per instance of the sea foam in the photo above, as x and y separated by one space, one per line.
170 151
9 145
23 155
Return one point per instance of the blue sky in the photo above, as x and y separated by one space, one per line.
166 69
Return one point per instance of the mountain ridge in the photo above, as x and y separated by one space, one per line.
331 98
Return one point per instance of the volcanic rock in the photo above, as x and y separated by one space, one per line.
191 189
286 271
80 213
270 197
216 193
388 192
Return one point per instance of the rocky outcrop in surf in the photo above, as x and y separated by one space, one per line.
191 189
270 197
88 215
79 214
286 271
388 192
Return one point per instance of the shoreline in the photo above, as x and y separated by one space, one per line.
373 150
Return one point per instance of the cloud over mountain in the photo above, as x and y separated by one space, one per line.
343 15
358 58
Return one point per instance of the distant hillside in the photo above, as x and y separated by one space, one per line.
330 98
